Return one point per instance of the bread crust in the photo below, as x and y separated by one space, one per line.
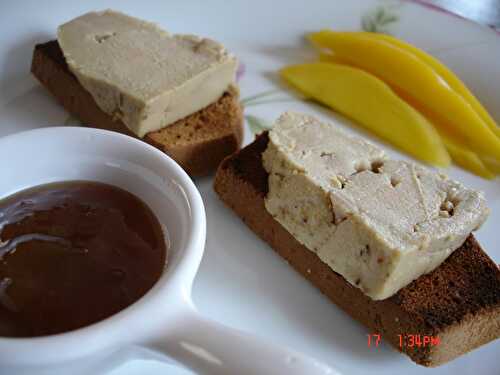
198 142
459 302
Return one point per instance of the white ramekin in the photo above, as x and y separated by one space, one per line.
164 324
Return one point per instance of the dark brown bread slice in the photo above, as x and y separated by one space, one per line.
459 302
198 142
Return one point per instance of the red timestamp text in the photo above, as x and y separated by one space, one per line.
374 340
417 340
405 340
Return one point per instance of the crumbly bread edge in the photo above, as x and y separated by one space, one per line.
198 152
239 182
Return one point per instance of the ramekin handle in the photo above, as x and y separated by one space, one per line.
210 348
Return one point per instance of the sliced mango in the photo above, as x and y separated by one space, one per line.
463 157
368 100
328 57
492 165
467 159
415 80
451 78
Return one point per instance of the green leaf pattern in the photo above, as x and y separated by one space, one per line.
257 125
380 18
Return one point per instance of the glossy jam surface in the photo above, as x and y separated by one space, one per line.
74 253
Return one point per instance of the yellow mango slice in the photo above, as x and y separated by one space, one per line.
474 160
481 166
467 159
414 79
492 165
328 57
370 102
451 78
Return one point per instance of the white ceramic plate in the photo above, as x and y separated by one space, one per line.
241 281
